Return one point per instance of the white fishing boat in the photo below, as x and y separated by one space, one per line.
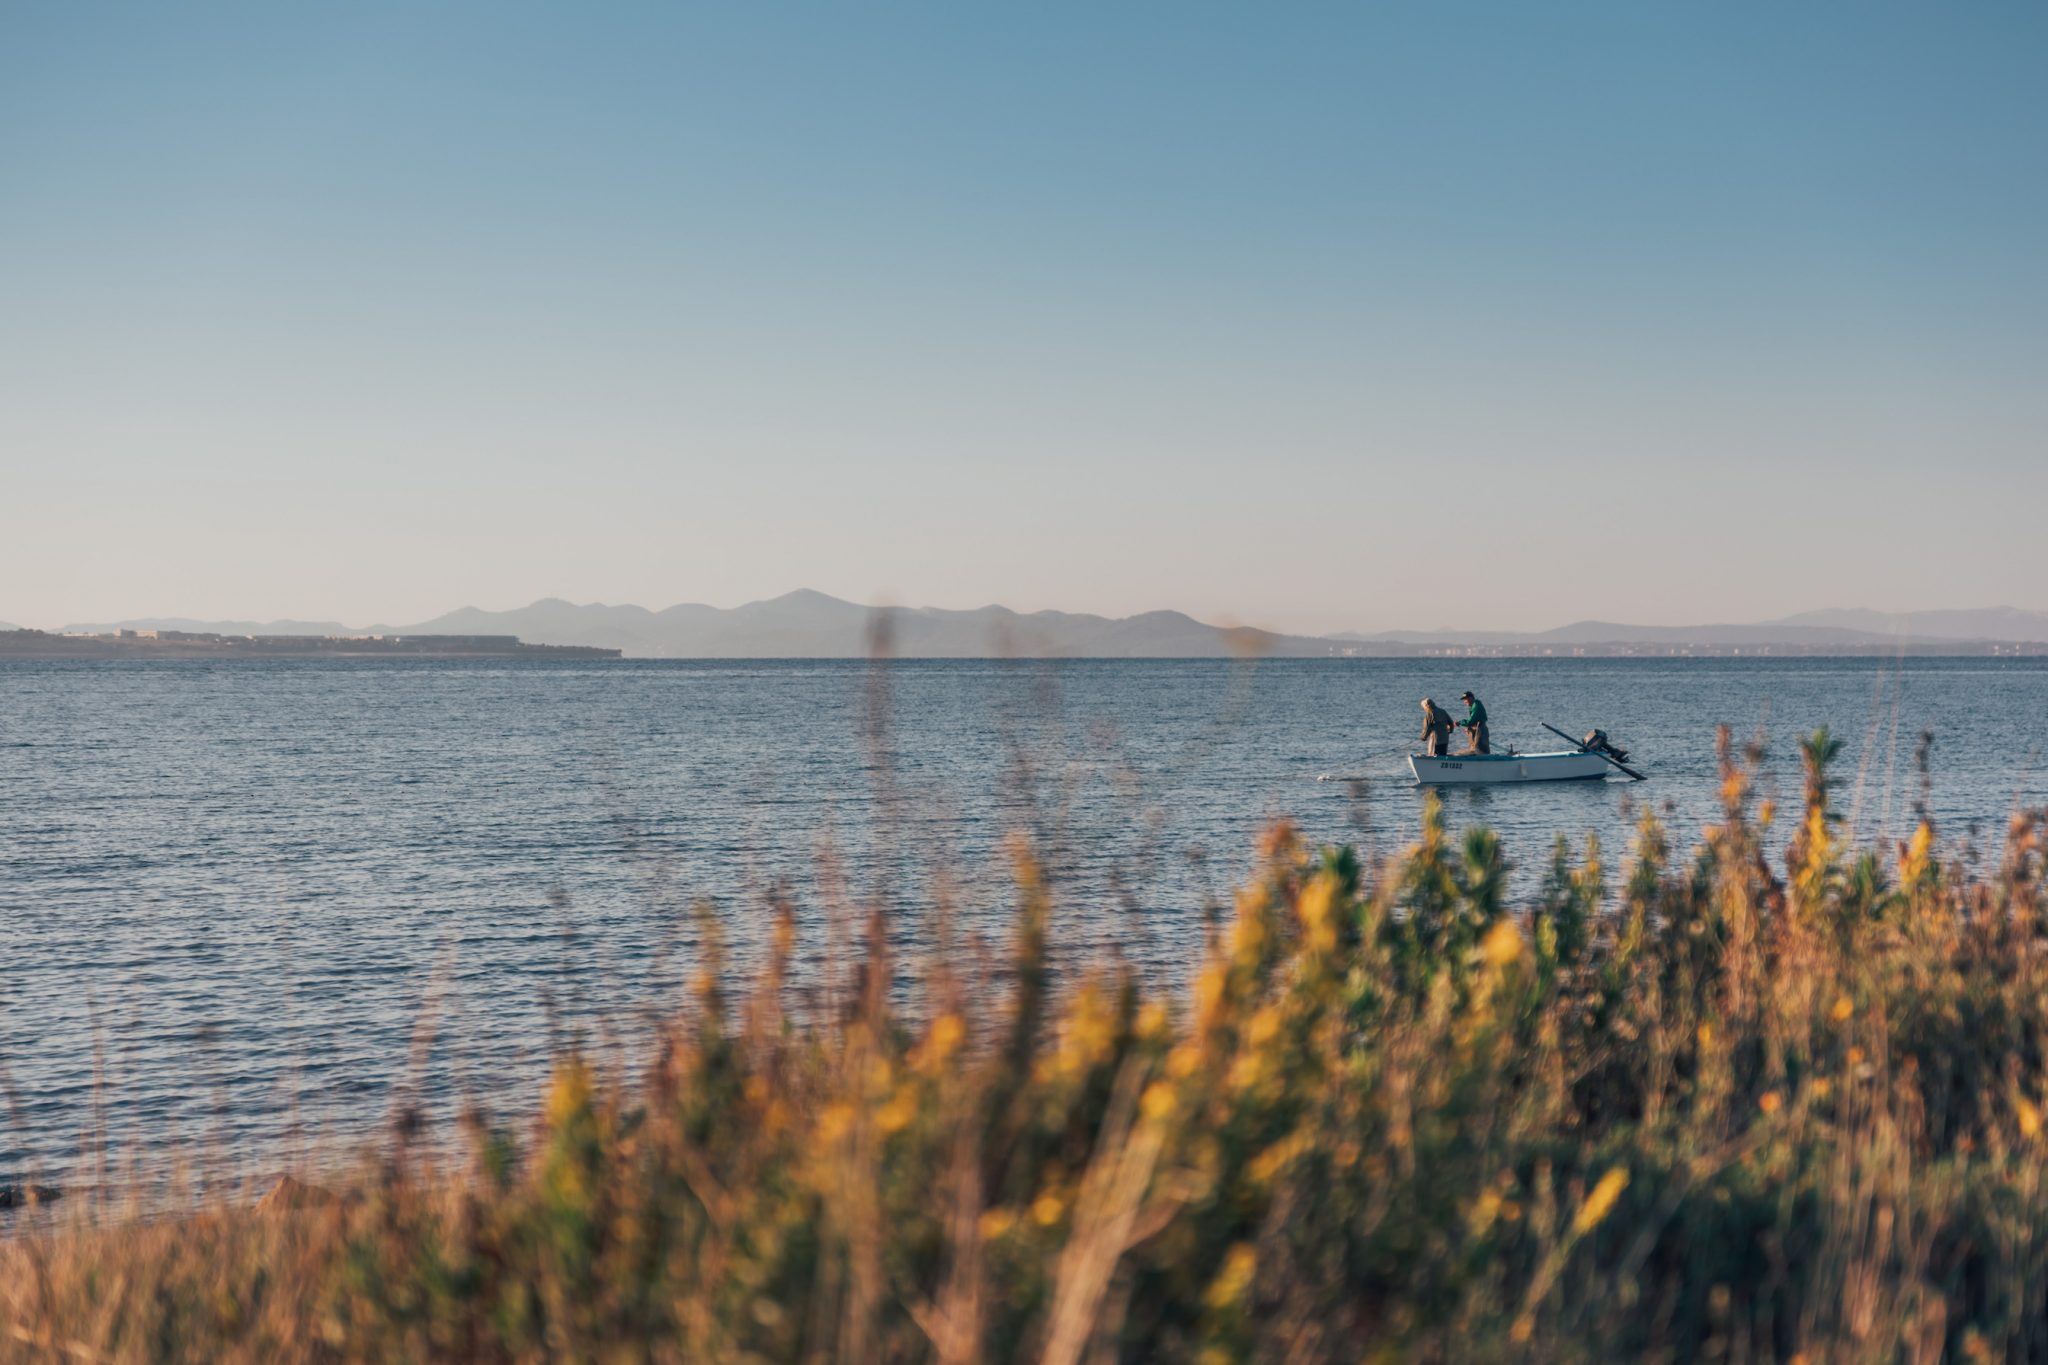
1461 769
1594 756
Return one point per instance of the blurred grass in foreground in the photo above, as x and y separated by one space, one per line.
1755 1113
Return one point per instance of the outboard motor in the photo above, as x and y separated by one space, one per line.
1597 742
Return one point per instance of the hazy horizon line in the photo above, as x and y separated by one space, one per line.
1215 620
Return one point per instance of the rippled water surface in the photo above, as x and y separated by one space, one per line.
239 882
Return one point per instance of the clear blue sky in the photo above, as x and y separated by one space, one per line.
1345 316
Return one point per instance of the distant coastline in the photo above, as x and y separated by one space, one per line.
183 644
36 644
813 625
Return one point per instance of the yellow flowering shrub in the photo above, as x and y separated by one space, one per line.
1758 1108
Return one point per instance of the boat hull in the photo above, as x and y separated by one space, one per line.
1461 770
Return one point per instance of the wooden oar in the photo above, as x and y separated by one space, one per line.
1584 750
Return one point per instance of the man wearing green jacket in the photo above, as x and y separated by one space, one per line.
1474 724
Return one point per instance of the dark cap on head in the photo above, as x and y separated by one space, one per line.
1466 696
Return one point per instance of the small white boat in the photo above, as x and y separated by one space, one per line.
1465 769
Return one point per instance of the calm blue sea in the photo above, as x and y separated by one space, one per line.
238 882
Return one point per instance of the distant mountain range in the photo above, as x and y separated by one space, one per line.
807 624
1835 627
1983 623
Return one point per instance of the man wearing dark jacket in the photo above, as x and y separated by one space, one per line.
1474 724
1436 729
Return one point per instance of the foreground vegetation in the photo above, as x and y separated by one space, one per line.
1721 1109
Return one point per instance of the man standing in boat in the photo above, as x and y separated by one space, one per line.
1436 729
1474 724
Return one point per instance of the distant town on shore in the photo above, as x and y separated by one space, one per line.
813 625
126 643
